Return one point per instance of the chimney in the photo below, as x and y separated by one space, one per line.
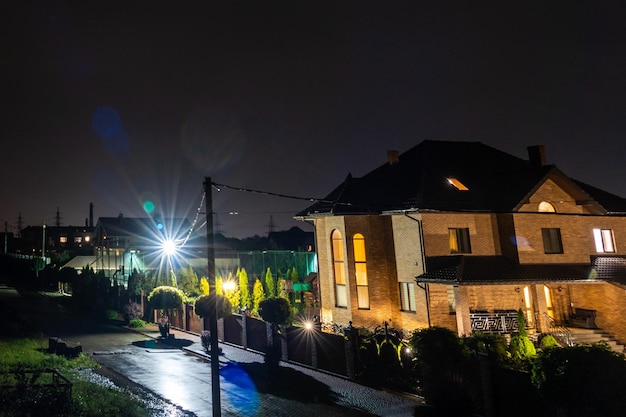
392 157
537 155
90 214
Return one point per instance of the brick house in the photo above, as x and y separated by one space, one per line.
462 235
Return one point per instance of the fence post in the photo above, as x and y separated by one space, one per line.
313 344
485 378
350 348
244 331
220 329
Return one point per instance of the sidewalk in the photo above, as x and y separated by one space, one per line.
230 353
350 393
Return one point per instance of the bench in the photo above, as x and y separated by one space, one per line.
583 317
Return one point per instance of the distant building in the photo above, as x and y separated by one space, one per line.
76 240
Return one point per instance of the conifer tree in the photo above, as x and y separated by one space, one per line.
258 295
270 283
219 285
204 286
282 289
246 301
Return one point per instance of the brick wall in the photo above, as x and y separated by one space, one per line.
439 310
576 236
608 299
495 297
482 227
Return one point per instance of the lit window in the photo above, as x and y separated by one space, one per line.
360 268
604 240
63 239
407 296
87 238
459 240
341 295
457 184
552 240
546 207
78 239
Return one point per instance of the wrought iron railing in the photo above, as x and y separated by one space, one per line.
497 322
561 333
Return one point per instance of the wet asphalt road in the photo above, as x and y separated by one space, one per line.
179 374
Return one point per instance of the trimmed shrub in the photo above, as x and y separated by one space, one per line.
166 298
205 306
136 323
548 341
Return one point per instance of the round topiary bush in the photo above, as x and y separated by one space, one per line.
205 306
166 298
548 341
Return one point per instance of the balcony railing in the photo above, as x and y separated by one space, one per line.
496 322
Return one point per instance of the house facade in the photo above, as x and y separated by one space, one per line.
462 235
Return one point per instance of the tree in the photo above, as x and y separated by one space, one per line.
521 347
258 295
165 298
282 289
205 306
188 282
277 312
246 300
585 380
219 285
442 368
270 283
204 286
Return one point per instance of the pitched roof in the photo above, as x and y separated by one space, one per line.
467 270
495 181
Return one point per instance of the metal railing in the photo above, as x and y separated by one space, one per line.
497 322
561 333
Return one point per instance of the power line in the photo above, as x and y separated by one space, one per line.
248 190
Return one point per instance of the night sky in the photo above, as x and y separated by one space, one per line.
117 103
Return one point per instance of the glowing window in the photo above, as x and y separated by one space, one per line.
63 239
78 239
360 269
604 240
87 238
546 207
341 295
407 296
459 240
457 184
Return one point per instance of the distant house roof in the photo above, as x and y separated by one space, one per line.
468 270
79 262
140 229
421 179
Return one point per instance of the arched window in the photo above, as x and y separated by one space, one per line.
360 270
546 207
341 295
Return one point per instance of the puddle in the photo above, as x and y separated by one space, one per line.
157 406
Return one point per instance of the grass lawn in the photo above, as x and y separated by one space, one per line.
28 389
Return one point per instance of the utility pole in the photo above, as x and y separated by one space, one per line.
215 354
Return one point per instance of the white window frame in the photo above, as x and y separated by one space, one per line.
604 240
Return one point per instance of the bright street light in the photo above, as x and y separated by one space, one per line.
169 247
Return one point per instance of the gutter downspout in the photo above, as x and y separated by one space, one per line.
423 286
